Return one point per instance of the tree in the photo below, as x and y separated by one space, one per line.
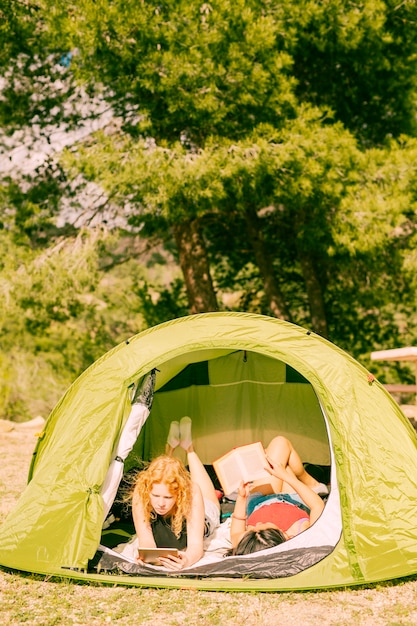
201 74
376 269
222 68
303 169
223 97
359 61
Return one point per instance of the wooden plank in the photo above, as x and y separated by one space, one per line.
397 354
397 388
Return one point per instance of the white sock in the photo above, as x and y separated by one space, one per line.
185 432
173 438
321 489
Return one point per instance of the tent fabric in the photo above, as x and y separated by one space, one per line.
341 415
252 390
141 405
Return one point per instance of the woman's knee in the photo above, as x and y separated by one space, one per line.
280 440
279 445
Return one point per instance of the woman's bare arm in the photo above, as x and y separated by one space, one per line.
307 495
195 527
238 525
142 525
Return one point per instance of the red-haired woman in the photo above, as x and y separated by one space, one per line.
169 510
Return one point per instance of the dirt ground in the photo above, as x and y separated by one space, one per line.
16 448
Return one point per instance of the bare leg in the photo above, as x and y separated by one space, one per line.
200 476
169 449
180 434
281 450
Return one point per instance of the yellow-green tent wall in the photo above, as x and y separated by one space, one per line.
56 525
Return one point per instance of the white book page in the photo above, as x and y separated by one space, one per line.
232 473
252 462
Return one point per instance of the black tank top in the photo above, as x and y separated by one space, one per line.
164 536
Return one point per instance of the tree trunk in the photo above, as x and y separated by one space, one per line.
314 294
276 301
195 267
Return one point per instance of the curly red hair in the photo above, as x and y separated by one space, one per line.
171 472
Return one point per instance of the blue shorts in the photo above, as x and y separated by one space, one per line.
255 500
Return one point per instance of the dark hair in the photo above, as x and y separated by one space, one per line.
255 540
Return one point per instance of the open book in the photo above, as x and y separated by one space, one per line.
246 463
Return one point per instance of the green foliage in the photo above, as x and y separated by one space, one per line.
63 307
225 67
41 297
35 205
283 121
195 69
19 26
351 211
160 305
359 60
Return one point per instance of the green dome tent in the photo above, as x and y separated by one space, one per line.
242 378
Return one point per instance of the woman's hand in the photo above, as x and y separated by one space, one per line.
244 489
175 562
277 470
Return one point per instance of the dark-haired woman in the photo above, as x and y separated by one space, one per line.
260 522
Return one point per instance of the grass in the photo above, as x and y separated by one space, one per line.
33 599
